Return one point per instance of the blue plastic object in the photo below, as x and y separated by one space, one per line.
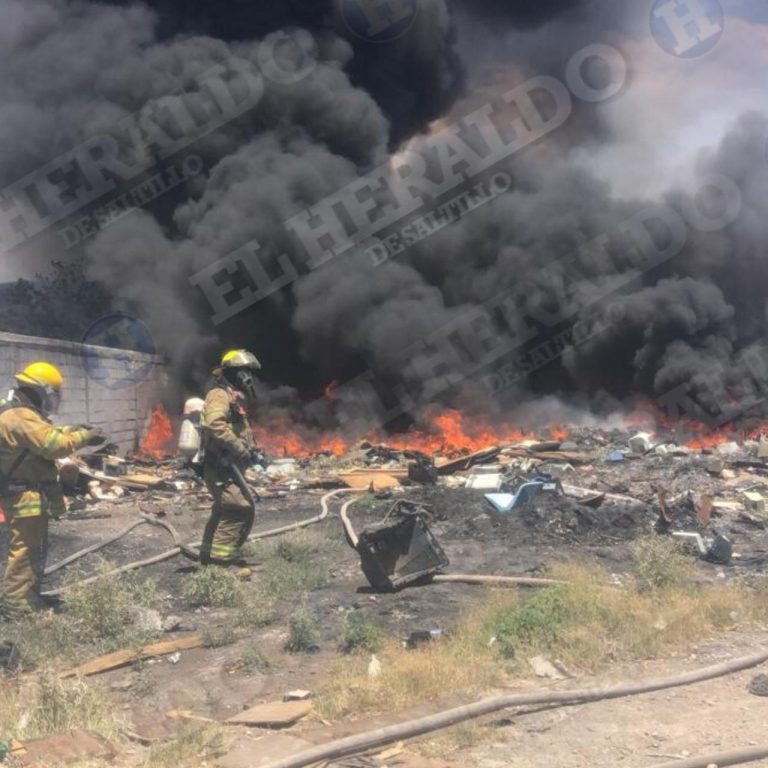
504 503
615 456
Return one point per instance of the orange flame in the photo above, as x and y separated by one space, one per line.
447 432
693 434
157 442
560 434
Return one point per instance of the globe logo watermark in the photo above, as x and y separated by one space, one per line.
379 21
687 28
123 368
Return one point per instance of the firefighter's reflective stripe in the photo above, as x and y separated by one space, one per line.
26 504
52 447
223 551
227 525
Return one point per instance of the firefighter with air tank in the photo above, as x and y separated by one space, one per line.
229 451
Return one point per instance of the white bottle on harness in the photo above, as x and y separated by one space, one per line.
191 428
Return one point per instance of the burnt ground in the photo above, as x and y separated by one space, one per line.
551 530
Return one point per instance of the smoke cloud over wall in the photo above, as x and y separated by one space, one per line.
568 283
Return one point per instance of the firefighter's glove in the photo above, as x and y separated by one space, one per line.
94 436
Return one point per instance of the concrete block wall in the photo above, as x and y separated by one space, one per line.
95 390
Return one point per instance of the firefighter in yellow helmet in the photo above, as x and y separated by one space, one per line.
229 450
29 483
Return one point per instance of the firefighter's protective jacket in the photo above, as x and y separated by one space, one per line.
33 489
227 436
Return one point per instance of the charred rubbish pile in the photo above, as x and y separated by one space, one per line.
559 490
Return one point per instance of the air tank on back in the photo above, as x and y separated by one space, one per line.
191 429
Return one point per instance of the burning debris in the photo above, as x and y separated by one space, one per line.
563 483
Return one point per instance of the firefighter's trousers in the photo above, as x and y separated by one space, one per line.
27 553
228 525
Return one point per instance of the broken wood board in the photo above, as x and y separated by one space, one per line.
567 456
251 751
378 483
377 479
123 658
449 466
278 714
134 482
63 747
578 493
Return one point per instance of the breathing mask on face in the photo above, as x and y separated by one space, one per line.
243 380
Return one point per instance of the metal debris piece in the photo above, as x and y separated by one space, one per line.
396 554
421 469
718 550
485 477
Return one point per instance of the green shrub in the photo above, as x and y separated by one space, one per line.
258 610
215 587
221 635
359 634
303 635
45 704
283 579
251 661
658 563
101 616
192 747
296 547
537 622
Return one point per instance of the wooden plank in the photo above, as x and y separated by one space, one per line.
277 714
63 747
567 456
399 472
374 480
123 658
252 751
449 466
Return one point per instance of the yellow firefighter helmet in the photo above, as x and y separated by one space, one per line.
238 367
240 358
45 380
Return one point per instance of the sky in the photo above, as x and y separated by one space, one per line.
672 107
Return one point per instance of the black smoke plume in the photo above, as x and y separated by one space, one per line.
73 69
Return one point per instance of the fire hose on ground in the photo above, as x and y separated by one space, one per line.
721 759
180 547
380 737
191 550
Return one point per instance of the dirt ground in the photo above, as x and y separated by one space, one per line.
641 731
646 730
